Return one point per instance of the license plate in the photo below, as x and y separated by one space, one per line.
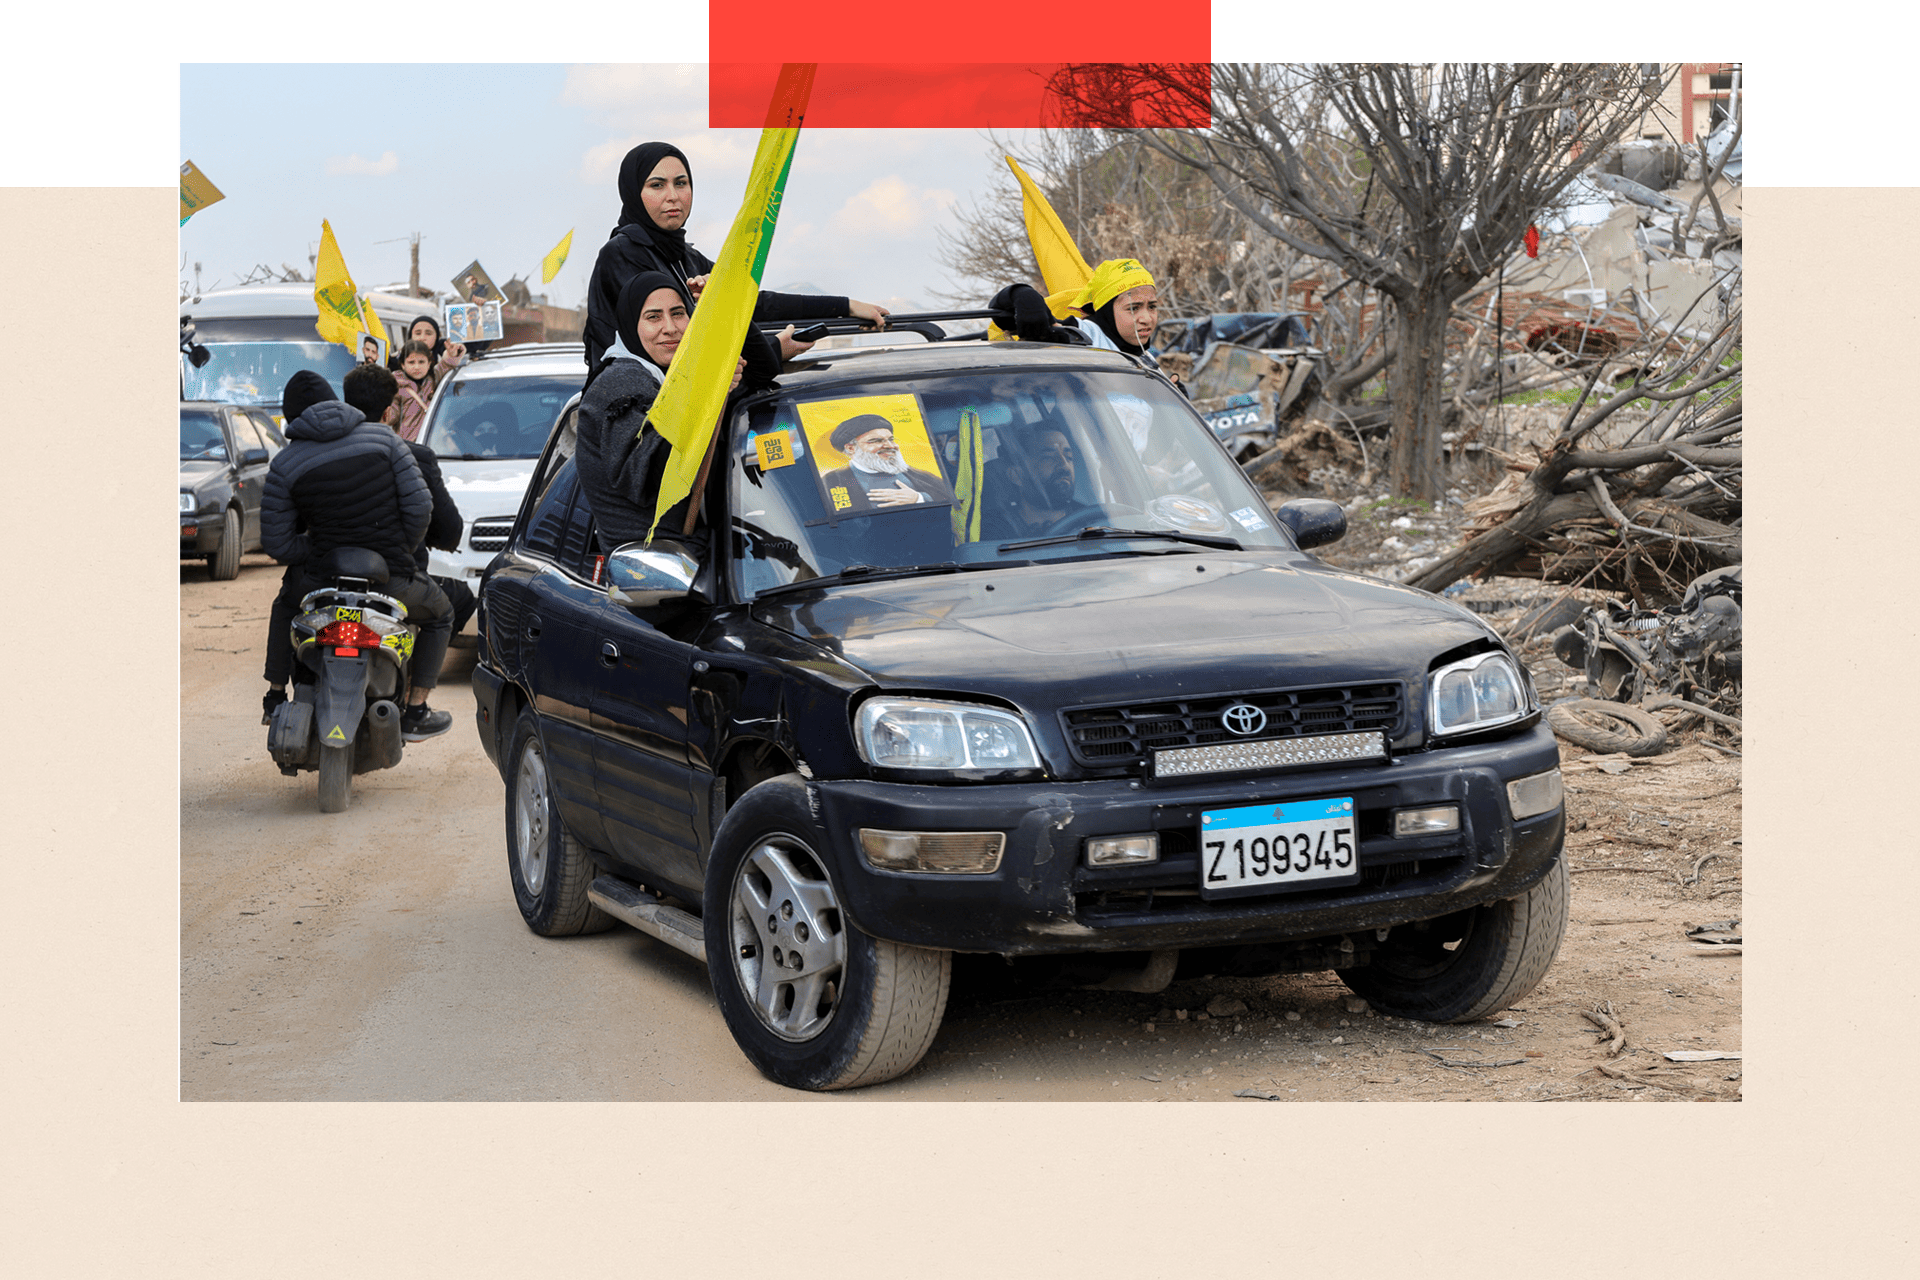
1270 848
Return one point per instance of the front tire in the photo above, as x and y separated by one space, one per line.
224 564
812 1001
549 868
1469 964
336 778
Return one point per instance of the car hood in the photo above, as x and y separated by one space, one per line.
195 472
1141 628
486 486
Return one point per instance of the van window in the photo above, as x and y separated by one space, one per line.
257 372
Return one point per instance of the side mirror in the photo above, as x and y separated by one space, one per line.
250 456
641 576
1314 522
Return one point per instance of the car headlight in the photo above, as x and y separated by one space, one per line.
1475 693
913 733
187 502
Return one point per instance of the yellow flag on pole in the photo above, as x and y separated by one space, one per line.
551 264
371 323
334 293
687 409
1062 268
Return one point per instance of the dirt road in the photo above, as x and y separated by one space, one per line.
377 954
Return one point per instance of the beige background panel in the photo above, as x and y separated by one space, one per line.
109 1175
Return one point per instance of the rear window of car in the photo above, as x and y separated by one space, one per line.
497 417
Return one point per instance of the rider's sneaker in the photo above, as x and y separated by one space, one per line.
420 722
269 703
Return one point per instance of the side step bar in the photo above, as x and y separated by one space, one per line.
679 929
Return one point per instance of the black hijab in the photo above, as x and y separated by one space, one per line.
438 345
1103 316
634 172
633 299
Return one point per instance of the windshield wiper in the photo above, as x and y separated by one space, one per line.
860 573
1098 531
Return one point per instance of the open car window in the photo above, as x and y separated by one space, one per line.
956 466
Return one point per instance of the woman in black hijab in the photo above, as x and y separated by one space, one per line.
656 199
620 457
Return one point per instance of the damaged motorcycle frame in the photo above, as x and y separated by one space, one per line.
1690 651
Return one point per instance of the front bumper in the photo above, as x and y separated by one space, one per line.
1044 899
199 533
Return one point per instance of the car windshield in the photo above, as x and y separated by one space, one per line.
257 372
497 417
930 473
200 435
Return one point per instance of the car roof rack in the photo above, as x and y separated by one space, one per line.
924 323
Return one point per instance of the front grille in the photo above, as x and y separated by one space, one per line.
490 533
1122 737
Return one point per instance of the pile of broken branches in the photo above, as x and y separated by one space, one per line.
1644 516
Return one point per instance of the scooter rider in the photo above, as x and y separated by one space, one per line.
344 481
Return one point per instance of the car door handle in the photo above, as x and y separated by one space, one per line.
533 626
609 654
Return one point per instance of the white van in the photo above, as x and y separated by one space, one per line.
259 335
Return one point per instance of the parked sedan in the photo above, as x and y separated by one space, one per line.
224 453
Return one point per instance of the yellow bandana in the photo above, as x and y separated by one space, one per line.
1110 279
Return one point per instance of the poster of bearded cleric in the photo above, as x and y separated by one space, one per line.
872 453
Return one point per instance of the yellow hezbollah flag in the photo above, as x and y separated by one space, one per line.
1062 268
333 292
551 264
196 192
688 406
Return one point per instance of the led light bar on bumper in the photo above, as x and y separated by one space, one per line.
1273 753
916 733
1476 693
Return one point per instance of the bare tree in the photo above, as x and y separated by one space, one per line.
1657 508
1415 181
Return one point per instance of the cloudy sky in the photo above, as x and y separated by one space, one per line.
497 162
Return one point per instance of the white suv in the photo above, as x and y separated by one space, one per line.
487 425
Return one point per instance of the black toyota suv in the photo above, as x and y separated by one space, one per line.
990 647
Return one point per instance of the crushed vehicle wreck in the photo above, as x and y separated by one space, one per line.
1086 697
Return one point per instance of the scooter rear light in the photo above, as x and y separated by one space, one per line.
351 634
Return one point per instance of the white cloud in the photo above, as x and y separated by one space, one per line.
386 164
655 99
891 206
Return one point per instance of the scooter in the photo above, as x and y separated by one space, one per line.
351 646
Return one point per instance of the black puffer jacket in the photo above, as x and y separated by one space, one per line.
343 482
632 250
447 524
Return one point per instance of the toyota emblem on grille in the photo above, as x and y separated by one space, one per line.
1244 719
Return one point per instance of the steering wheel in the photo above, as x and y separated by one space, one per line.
1080 517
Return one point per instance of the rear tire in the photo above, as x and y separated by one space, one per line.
224 564
812 1001
1469 964
550 869
1608 727
336 778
